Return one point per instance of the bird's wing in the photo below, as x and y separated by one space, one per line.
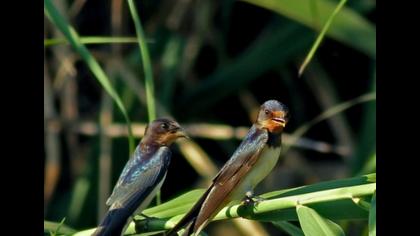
128 166
245 155
139 177
225 181
244 158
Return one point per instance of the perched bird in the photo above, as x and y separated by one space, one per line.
252 161
141 178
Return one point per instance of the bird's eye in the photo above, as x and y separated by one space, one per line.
164 126
266 111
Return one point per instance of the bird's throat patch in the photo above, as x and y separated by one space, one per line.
274 140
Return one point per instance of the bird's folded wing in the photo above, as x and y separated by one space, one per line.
139 178
245 155
231 174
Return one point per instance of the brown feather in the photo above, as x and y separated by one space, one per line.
191 215
220 193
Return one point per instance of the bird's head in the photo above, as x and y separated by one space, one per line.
163 131
273 116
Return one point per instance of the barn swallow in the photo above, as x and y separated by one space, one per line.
252 161
141 178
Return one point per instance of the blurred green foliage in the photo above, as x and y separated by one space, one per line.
213 62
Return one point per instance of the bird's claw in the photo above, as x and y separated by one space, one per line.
251 199
146 221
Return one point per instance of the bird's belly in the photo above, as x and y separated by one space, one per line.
263 167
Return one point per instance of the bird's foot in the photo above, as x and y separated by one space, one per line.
251 199
144 222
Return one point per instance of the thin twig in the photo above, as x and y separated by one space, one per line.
202 130
75 8
327 114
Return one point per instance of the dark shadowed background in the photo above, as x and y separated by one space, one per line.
214 63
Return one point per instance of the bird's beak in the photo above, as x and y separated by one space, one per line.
280 121
181 133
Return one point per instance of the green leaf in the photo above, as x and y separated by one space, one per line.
91 40
148 71
346 187
71 35
57 228
372 216
320 36
147 65
289 228
315 225
273 48
175 206
327 114
362 203
78 198
370 165
332 184
332 199
348 27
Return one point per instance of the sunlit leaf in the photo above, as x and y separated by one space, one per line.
315 225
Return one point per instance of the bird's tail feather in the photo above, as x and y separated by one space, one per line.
189 219
113 223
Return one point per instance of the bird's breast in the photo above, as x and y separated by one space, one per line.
265 164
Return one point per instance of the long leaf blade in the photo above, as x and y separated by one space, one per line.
91 40
332 199
71 35
349 27
147 65
326 114
58 228
320 37
314 224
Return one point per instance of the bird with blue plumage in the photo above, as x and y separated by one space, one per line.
142 176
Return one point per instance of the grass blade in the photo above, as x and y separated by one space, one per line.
91 40
58 228
78 198
349 26
320 37
71 35
370 165
273 48
147 66
326 114
314 225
